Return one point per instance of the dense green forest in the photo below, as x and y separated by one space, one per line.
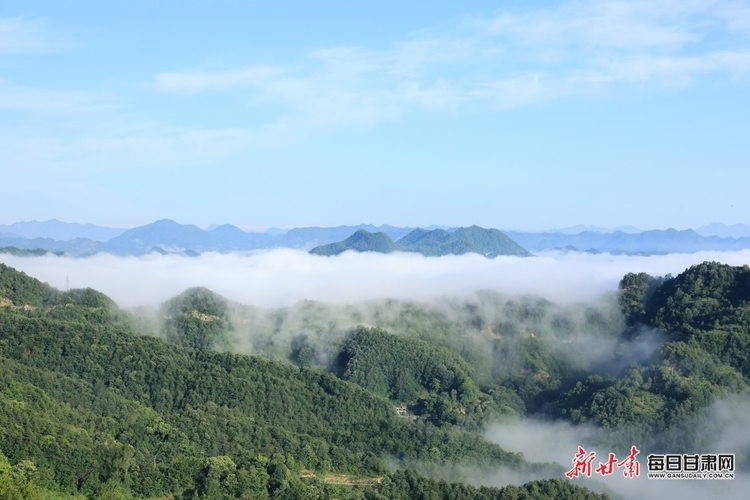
213 399
91 409
643 365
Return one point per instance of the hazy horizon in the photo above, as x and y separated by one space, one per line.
209 227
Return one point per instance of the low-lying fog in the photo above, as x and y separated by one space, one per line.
280 278
720 428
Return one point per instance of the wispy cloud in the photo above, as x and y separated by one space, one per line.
674 69
616 24
337 86
28 36
595 43
506 60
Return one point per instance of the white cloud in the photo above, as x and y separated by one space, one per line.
25 36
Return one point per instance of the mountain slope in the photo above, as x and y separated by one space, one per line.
164 233
227 238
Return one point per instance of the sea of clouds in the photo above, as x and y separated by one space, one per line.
282 277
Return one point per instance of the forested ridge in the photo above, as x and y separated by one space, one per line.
474 239
91 409
23 252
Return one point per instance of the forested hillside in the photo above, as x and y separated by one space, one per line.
641 364
474 239
91 409
702 320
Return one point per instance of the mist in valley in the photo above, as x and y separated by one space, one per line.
719 428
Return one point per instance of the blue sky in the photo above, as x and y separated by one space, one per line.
515 115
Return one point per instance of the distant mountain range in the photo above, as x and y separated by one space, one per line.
651 242
724 231
57 230
580 228
166 236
